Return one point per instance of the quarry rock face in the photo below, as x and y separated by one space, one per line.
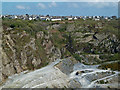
37 45
21 51
1 53
67 65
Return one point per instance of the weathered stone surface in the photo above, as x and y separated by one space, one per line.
1 54
5 60
36 62
66 65
8 69
74 83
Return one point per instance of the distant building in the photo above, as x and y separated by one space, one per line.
102 17
34 17
47 19
75 18
30 18
98 16
109 18
84 17
106 18
114 17
70 18
56 19
42 18
25 17
97 19
13 17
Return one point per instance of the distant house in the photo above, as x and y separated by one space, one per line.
70 18
114 17
34 17
102 17
20 17
14 17
37 17
47 19
80 17
93 17
42 18
98 16
84 17
106 18
75 18
56 19
109 18
25 17
97 19
30 18
90 17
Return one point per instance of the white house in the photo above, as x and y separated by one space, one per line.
93 17
98 16
30 18
14 17
106 18
70 18
47 19
90 17
57 19
84 18
97 19
43 18
75 18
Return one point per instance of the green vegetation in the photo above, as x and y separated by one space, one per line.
63 28
112 66
110 57
70 36
103 82
77 57
41 54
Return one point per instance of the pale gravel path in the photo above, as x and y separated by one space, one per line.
50 76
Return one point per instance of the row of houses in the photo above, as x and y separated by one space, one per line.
56 18
40 17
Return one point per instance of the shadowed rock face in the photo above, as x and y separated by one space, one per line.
67 65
